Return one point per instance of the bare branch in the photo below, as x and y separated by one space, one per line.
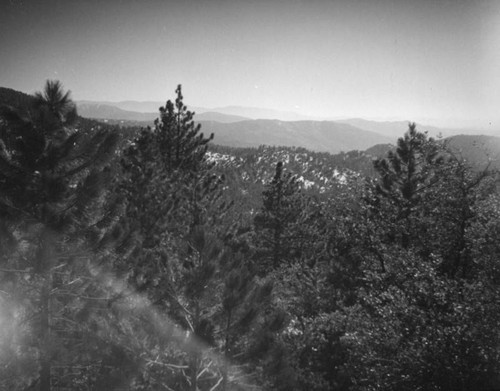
217 384
16 271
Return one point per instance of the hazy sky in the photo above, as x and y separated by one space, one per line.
386 59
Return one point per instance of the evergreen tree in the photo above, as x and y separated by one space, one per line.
415 324
451 210
181 144
186 260
154 166
51 183
404 176
275 223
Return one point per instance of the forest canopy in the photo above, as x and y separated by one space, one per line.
153 259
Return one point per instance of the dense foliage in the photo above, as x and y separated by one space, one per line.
151 259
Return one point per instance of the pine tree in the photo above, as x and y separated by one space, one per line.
404 176
181 144
154 166
168 189
184 262
274 224
51 184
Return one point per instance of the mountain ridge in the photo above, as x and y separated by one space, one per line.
320 136
232 110
105 111
238 131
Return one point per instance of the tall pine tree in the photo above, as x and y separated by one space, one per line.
51 182
405 175
277 221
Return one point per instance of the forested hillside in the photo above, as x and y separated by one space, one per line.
155 259
322 136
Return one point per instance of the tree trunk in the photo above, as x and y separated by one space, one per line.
45 364
225 366
195 352
45 260
278 226
194 371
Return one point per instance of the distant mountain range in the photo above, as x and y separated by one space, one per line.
260 113
236 126
250 127
144 111
238 131
109 112
231 111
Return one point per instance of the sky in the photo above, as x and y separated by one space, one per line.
433 61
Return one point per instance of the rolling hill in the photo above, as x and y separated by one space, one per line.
322 136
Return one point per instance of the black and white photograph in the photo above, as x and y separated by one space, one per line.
249 195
